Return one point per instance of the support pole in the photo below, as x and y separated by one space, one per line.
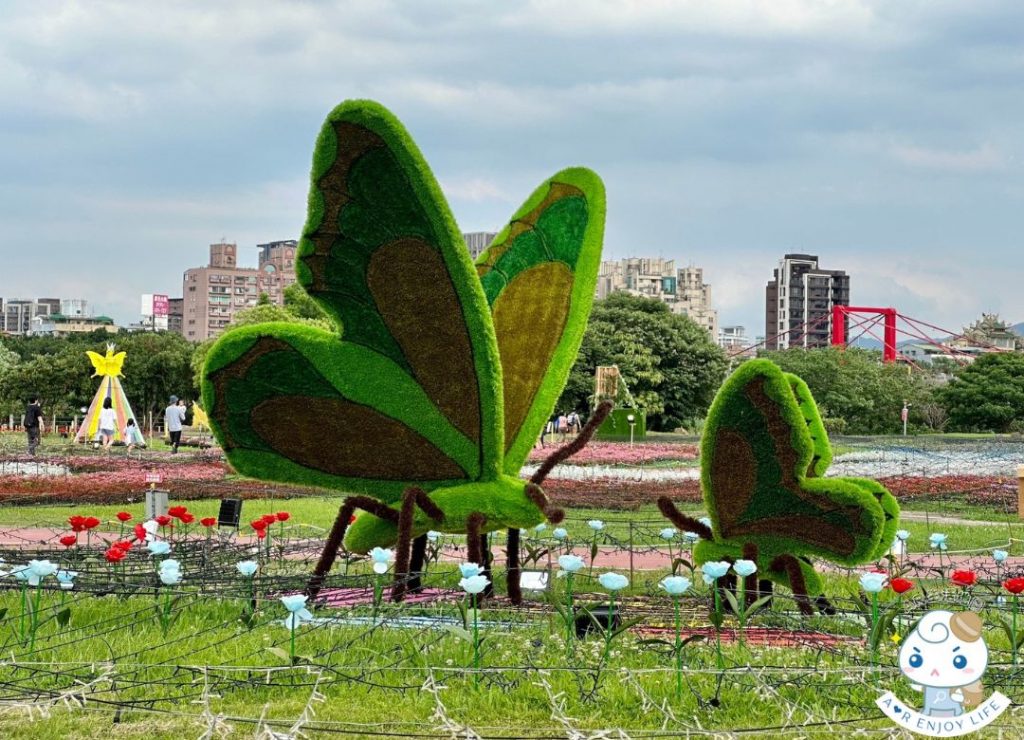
1020 492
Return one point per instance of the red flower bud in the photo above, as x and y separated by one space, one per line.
901 585
140 533
258 524
124 516
114 555
283 516
91 522
269 518
964 578
124 545
177 511
208 521
77 523
1014 585
163 520
69 540
187 518
261 534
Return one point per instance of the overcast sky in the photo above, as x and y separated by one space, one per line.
885 137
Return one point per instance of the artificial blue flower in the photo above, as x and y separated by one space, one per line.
40 569
937 541
713 570
570 563
296 605
540 527
170 572
873 583
690 537
613 581
1000 555
247 567
66 578
433 535
381 558
745 568
675 585
902 534
560 533
474 584
596 524
469 570
668 533
158 547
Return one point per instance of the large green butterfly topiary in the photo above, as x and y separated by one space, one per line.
442 373
763 457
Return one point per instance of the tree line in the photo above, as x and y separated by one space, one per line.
671 368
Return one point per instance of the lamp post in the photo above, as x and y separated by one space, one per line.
903 415
632 423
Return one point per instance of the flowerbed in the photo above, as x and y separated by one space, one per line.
617 453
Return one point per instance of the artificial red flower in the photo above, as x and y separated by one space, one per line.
187 518
901 585
163 520
91 522
208 521
964 578
261 534
178 511
269 518
68 540
283 516
114 555
1014 585
124 516
140 533
77 523
124 545
258 524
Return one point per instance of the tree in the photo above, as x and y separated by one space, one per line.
668 361
987 395
856 392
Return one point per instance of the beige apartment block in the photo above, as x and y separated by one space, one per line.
212 295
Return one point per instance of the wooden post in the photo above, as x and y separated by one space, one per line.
1020 492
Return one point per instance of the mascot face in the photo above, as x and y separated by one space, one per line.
945 650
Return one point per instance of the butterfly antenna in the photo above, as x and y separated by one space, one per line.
683 522
564 452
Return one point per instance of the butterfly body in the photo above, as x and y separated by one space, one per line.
442 372
763 457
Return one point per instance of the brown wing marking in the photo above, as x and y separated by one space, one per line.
529 317
414 294
237 370
733 476
372 445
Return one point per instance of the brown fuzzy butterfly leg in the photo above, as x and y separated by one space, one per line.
540 500
419 555
334 539
789 564
474 552
512 568
750 582
485 548
683 522
411 498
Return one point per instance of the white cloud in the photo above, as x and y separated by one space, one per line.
984 158
474 190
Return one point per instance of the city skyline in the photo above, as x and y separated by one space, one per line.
883 139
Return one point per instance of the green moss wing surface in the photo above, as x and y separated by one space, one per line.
539 276
382 254
755 458
294 403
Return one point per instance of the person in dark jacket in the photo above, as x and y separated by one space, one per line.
33 423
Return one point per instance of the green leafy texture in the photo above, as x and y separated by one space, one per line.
890 513
374 191
502 501
755 456
308 364
822 456
560 224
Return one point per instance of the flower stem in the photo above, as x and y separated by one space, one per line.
873 637
291 652
1013 640
569 616
741 604
608 629
34 623
679 652
476 644
718 625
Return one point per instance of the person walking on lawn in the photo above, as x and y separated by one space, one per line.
174 417
33 423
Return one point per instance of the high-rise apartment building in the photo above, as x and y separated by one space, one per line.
211 295
799 300
478 241
683 289
16 314
175 313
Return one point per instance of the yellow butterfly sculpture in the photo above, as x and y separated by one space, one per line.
109 365
199 418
